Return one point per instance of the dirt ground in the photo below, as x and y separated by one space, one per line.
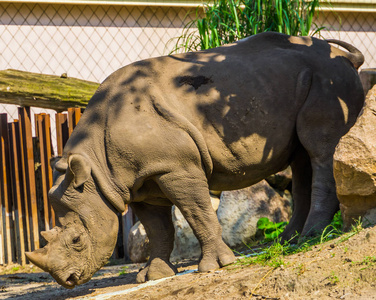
338 269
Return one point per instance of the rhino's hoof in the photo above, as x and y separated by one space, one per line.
157 269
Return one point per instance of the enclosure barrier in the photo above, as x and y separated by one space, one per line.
25 179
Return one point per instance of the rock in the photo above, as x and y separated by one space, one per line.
368 78
354 166
280 180
186 245
240 210
138 244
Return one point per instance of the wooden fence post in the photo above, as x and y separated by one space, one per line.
6 190
43 132
29 176
17 183
74 115
62 133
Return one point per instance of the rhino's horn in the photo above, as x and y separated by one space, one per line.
38 258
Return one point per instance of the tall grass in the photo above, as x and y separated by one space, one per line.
225 21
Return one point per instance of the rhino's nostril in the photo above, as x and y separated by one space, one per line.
71 281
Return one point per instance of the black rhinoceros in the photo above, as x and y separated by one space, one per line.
164 131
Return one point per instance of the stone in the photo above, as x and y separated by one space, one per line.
186 244
240 210
281 180
138 244
354 166
368 78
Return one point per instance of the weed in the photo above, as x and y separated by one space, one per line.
272 255
301 268
367 261
333 278
270 229
123 270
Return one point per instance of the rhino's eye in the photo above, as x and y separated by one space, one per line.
76 240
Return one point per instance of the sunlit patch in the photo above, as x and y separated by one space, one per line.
335 52
306 41
258 152
219 58
345 109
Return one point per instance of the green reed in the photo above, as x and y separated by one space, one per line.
222 22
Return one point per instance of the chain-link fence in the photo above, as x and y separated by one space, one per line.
84 41
356 28
92 41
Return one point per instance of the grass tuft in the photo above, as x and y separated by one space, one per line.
226 21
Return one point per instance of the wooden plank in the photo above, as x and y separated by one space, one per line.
17 190
74 115
6 190
29 175
62 134
24 195
43 132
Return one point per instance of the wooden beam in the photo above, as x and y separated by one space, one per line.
29 175
17 190
6 190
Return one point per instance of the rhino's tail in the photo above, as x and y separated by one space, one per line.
354 55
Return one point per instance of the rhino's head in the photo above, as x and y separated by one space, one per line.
86 234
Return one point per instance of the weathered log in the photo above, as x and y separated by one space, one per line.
47 91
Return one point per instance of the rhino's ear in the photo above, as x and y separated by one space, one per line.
58 164
80 168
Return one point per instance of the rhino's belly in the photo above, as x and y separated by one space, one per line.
243 163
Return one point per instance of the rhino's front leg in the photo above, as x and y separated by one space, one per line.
189 191
157 221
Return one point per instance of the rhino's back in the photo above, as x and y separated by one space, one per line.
243 99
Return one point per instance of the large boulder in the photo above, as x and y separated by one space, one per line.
186 245
138 244
355 167
240 210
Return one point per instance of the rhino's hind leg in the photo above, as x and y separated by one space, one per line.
330 110
189 192
157 221
301 193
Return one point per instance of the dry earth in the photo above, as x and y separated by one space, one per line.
338 269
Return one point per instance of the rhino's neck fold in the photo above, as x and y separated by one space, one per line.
115 194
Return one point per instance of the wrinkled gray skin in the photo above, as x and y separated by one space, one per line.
166 130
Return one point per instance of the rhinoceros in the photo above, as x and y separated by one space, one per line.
166 130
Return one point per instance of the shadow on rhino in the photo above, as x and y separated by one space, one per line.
164 131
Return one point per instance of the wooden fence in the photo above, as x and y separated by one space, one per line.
26 177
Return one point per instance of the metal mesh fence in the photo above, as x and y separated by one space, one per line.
85 41
356 28
92 41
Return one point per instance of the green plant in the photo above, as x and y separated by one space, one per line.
226 21
123 270
368 261
333 278
270 229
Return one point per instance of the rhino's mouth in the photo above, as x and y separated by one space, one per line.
71 281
